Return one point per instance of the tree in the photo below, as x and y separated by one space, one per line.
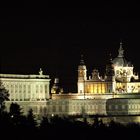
96 121
15 110
31 122
15 114
44 123
3 97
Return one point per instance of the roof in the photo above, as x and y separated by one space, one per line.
120 60
19 76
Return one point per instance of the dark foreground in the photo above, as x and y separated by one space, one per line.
21 127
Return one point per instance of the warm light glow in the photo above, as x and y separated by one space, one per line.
91 88
128 88
99 88
103 88
81 87
95 88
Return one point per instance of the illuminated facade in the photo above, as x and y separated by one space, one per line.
27 87
119 77
29 91
117 93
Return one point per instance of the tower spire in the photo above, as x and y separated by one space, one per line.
121 51
82 60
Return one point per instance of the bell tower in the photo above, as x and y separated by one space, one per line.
82 76
110 75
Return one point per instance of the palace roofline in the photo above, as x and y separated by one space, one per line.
21 76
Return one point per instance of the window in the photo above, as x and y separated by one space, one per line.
123 106
41 109
45 110
36 88
46 88
54 109
116 106
12 86
20 88
67 108
29 88
24 88
96 106
110 107
60 108
41 89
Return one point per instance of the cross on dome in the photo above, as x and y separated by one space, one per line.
121 51
82 60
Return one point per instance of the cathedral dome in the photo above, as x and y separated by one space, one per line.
120 60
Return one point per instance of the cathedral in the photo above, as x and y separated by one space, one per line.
117 93
119 80
118 77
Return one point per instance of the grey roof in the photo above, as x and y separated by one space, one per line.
120 60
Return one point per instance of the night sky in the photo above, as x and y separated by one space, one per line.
54 39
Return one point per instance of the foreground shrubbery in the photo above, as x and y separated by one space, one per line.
17 126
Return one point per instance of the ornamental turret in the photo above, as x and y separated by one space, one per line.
56 88
110 74
82 76
82 70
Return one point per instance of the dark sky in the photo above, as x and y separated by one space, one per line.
54 38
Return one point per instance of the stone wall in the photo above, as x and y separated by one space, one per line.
64 107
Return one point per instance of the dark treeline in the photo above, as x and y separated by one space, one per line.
15 125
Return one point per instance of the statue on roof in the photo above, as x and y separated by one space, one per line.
40 71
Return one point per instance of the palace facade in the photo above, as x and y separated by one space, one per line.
27 87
